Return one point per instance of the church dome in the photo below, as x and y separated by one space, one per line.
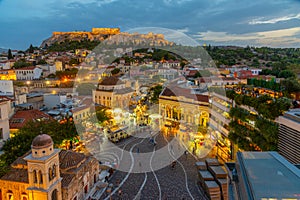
42 141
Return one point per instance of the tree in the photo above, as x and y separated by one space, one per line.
42 62
20 64
286 74
30 49
101 115
9 54
20 143
115 71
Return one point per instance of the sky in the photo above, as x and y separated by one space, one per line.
273 23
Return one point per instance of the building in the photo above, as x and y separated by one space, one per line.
50 174
181 104
83 111
182 112
263 175
8 74
5 109
113 92
219 122
21 117
6 88
54 100
29 73
289 135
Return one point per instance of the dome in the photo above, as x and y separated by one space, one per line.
42 141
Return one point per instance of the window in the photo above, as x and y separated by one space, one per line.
54 195
1 133
34 177
41 177
10 195
54 171
50 173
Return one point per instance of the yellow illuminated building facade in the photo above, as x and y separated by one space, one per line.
8 75
179 105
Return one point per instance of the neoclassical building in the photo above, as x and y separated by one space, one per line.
113 92
46 173
181 105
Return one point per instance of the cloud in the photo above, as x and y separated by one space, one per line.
274 20
172 2
276 38
183 30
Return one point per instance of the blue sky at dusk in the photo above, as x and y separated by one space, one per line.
218 22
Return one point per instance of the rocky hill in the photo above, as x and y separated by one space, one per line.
100 34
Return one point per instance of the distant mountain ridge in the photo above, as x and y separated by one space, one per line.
2 50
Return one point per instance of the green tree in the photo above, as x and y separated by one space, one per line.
286 74
20 143
115 71
20 64
101 115
42 62
9 54
30 49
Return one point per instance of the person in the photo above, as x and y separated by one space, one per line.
120 192
173 164
106 179
186 153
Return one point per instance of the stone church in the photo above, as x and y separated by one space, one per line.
46 173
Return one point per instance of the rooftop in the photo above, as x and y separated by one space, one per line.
111 80
293 114
21 117
177 91
269 175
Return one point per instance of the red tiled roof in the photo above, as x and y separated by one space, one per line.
16 175
111 80
70 159
27 68
185 92
21 117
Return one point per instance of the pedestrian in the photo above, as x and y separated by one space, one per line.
106 179
186 153
120 192
173 164
138 150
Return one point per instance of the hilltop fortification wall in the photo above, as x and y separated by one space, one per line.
95 31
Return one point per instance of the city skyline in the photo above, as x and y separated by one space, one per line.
258 23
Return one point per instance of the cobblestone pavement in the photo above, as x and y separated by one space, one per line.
165 183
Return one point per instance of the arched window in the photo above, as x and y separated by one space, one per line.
34 176
10 195
41 177
54 195
54 171
24 196
50 173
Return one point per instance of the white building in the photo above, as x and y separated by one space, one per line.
255 71
5 109
29 73
289 135
53 100
6 88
